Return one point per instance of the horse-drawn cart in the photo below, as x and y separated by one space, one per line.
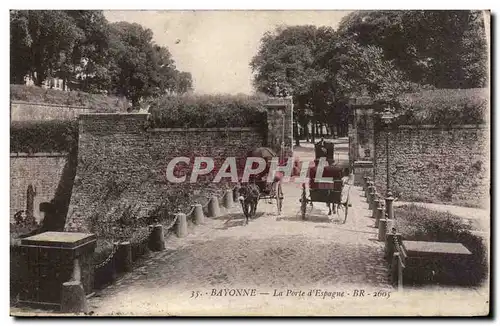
330 187
268 190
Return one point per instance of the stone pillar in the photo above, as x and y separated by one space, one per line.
73 299
376 206
280 125
199 218
124 257
213 207
367 191
388 206
371 197
235 194
228 199
156 240
181 225
382 229
380 215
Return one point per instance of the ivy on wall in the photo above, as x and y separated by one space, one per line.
43 136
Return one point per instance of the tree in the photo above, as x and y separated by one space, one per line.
356 70
141 68
91 60
184 82
81 47
446 49
41 42
325 69
288 56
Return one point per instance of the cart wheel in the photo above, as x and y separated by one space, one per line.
346 209
303 202
279 198
346 206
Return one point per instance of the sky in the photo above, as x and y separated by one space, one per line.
216 46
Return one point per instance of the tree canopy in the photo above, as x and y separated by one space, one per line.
381 54
443 48
83 48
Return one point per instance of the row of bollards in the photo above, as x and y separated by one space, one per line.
382 209
383 213
213 210
73 299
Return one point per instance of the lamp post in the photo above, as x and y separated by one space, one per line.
387 117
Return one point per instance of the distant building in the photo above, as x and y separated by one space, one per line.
53 83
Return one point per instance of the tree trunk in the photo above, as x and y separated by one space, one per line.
135 104
305 127
18 79
297 136
313 132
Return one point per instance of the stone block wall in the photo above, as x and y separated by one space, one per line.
122 162
28 111
432 164
41 170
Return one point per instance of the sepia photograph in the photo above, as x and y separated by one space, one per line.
222 163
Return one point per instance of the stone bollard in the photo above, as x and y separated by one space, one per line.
199 217
73 299
235 194
376 206
156 239
389 244
369 182
124 257
213 207
228 199
181 225
380 215
367 190
372 198
391 224
382 229
388 206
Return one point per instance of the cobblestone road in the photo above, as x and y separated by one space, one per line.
271 253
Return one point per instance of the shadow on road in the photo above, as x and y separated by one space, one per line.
236 219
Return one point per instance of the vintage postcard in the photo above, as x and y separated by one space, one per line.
250 163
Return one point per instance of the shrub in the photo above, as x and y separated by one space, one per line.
422 224
98 102
43 136
208 111
444 107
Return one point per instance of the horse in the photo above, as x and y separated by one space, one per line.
249 199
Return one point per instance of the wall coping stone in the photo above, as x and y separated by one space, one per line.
202 129
366 164
41 154
51 105
117 115
477 126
